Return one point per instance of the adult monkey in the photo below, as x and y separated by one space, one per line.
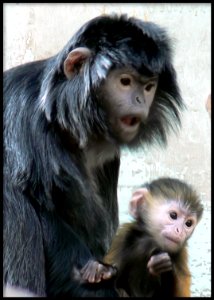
65 119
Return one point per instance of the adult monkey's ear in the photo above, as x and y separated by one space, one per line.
135 204
75 60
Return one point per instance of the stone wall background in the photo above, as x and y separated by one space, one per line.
37 31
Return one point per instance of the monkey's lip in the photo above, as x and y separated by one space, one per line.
172 239
131 121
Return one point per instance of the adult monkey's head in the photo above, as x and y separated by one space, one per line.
119 75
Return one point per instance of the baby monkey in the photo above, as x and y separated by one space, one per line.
148 256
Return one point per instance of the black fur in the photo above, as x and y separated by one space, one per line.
57 213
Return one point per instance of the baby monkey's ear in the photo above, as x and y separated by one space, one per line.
136 202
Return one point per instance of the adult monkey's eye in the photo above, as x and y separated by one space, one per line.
126 81
149 86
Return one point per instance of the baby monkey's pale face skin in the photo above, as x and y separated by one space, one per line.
173 224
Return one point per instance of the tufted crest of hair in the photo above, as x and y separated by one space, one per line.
114 41
175 189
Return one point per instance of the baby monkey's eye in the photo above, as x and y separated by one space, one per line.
189 223
173 215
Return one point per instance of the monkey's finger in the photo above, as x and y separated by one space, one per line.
160 267
156 272
153 272
89 271
158 258
111 272
86 266
88 276
99 272
164 269
107 275
96 274
159 263
94 277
